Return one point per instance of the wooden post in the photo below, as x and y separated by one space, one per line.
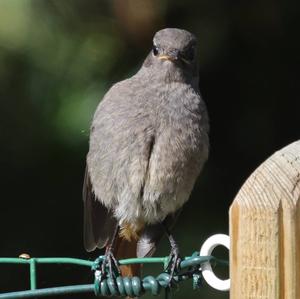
265 230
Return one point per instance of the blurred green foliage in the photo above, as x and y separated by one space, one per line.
65 70
59 57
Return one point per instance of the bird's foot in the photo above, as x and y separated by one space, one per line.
109 262
173 267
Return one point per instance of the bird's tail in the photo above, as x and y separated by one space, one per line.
123 249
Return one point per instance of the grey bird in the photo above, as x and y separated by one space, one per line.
148 144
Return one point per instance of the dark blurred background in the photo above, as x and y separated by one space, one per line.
58 58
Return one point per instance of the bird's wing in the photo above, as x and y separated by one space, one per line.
99 223
152 234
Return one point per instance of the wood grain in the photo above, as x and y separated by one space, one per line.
265 230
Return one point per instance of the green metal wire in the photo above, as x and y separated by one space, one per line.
47 260
33 274
129 286
64 290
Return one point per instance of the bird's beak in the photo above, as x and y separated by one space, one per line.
170 57
173 58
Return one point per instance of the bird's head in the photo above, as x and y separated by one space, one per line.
174 49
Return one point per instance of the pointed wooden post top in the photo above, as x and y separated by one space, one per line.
265 230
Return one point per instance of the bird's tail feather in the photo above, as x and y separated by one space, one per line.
127 249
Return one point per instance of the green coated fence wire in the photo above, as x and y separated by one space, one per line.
121 286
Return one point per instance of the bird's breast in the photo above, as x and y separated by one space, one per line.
146 154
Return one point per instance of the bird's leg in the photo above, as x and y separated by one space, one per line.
174 257
109 258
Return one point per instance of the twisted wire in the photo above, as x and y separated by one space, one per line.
136 286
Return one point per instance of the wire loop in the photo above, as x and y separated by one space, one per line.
208 274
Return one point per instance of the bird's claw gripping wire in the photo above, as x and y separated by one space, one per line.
110 261
107 266
173 267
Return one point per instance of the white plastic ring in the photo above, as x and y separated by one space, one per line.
208 246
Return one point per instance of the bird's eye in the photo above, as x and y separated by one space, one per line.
190 53
155 50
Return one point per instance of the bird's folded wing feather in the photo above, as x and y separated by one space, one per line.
99 223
